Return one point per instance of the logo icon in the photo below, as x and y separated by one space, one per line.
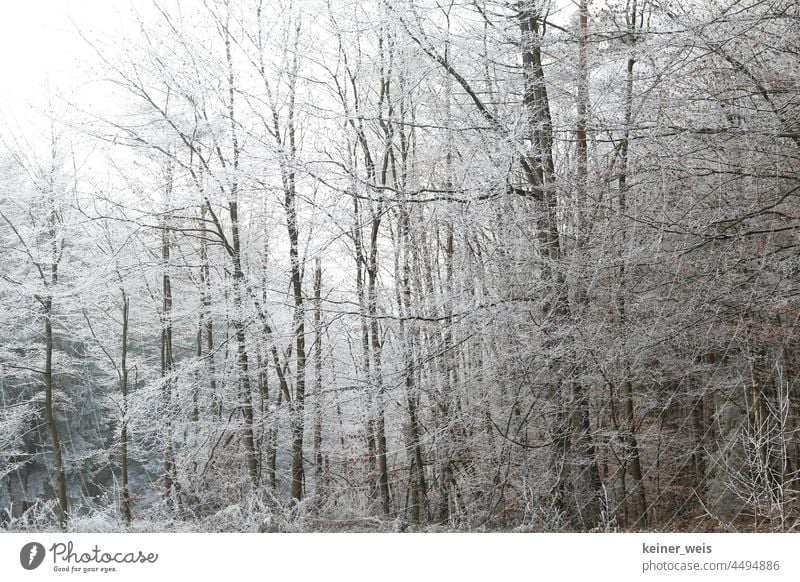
31 555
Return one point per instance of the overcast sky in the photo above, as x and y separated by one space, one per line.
40 44
42 48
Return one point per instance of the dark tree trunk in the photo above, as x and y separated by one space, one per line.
167 368
52 427
123 383
319 475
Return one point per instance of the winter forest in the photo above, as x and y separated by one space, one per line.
407 265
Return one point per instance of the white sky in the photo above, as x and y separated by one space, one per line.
39 44
41 50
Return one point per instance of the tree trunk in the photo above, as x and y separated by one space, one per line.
246 396
588 455
319 476
52 427
418 505
377 371
629 436
123 382
298 402
245 391
167 366
206 331
633 457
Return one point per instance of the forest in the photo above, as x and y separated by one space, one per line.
407 265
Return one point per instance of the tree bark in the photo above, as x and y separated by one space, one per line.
246 396
629 435
123 383
319 474
52 427
167 363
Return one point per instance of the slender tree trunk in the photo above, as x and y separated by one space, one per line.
287 143
195 414
207 321
417 508
269 429
272 445
52 426
377 370
366 354
319 476
245 390
123 382
633 457
298 402
246 396
629 436
582 105
167 367
448 399
588 455
418 505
